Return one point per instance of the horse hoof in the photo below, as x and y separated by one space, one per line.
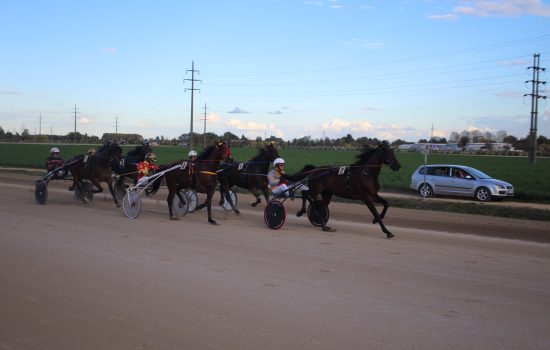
253 205
174 218
389 235
118 205
212 222
374 221
329 229
300 213
237 212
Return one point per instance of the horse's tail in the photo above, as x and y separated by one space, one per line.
306 170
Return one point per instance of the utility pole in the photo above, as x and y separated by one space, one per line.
75 113
534 106
40 124
116 125
204 132
192 70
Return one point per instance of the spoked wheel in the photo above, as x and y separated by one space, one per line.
193 200
84 191
313 215
234 199
179 208
41 192
131 204
274 215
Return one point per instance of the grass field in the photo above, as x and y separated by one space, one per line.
531 181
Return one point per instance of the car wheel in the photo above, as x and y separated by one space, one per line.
483 194
425 190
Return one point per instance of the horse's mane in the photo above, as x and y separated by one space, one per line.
261 152
205 154
365 154
306 170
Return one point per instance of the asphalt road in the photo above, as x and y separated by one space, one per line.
83 276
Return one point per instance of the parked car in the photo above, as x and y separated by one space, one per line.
458 180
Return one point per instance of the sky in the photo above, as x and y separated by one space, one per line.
388 69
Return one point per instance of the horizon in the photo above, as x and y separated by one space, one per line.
390 70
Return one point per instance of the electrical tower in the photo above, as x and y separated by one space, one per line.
75 113
535 96
40 125
116 125
204 132
193 80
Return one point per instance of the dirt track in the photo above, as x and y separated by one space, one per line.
75 276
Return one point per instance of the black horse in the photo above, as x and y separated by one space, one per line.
200 175
251 175
356 181
129 167
96 168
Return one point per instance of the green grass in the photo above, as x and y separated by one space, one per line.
531 181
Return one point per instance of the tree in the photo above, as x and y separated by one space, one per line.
454 137
229 136
464 140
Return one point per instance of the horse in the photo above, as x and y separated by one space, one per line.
251 175
200 175
96 168
356 181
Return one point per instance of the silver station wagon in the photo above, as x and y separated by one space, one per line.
458 180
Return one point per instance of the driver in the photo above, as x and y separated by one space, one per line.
192 156
147 167
55 161
279 185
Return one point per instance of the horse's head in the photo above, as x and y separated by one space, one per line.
388 156
222 151
112 150
269 152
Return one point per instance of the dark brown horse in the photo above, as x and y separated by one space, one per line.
96 168
356 181
251 175
200 176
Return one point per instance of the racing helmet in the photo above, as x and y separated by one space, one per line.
54 150
145 142
150 157
192 153
278 161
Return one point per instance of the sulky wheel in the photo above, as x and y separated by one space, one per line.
313 215
41 192
192 198
234 199
131 204
274 215
180 208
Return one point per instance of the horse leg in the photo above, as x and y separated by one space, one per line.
112 190
317 204
209 196
230 201
302 211
255 193
386 205
377 218
170 199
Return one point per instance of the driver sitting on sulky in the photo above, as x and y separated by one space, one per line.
146 168
55 161
279 185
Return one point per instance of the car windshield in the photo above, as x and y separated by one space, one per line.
478 174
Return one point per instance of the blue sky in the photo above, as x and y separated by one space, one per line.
375 68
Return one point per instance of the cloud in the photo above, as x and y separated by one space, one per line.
84 120
109 50
339 125
10 92
276 112
237 110
253 127
356 43
490 8
447 17
514 63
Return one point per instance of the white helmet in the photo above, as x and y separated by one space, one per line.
278 161
54 150
192 153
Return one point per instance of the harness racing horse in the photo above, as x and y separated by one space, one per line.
251 175
356 181
131 161
200 175
96 168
